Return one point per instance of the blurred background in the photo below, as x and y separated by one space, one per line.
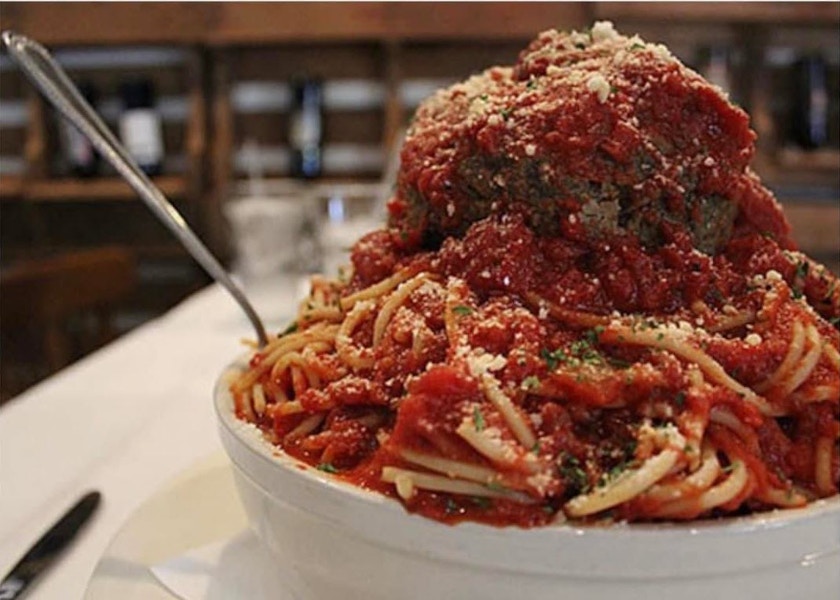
273 129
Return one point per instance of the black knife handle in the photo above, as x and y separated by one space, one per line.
48 547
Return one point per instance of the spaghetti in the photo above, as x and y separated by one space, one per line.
512 375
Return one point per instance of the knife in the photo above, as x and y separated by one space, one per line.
44 552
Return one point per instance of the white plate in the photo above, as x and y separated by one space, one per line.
199 507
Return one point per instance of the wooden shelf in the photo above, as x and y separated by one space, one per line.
10 187
96 189
792 167
821 13
809 160
173 251
228 23
244 23
99 23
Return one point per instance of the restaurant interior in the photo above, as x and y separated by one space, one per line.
274 129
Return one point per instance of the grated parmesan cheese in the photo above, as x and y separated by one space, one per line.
753 339
480 364
603 31
600 86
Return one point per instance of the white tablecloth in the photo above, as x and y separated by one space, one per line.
124 421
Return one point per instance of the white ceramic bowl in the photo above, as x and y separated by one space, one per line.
333 541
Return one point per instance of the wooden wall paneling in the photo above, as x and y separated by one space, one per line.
197 120
233 23
709 12
782 161
12 82
195 139
353 77
751 79
455 60
12 139
221 146
36 147
394 117
14 117
109 23
327 60
91 224
23 231
471 21
263 23
355 127
252 24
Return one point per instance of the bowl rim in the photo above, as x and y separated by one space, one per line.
252 438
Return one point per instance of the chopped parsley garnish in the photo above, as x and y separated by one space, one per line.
505 112
614 472
637 46
478 419
481 501
552 359
462 310
802 268
830 292
573 474
679 399
592 335
583 350
619 363
531 382
800 275
626 456
579 351
452 507
327 468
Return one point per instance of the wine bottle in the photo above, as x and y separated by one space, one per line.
306 128
140 125
810 102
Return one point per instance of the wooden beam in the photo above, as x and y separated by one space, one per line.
233 23
108 23
733 12
253 23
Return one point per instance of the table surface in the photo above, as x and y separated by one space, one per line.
124 420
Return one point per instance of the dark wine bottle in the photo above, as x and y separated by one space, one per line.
810 102
140 125
79 157
306 128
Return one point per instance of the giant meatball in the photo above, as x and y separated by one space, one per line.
589 127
